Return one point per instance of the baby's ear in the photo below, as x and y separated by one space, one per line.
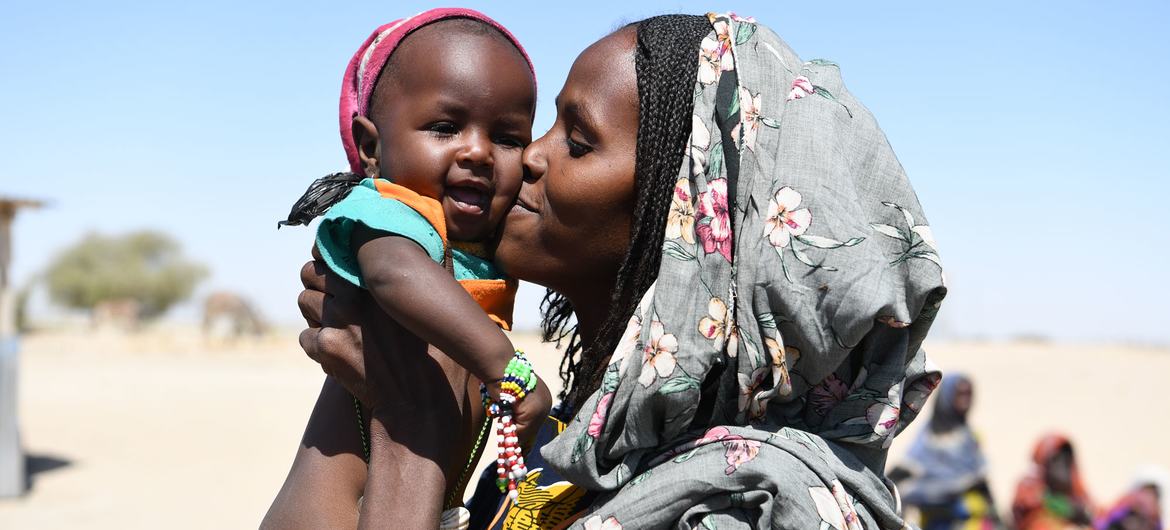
365 137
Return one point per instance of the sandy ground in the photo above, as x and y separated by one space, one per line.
163 430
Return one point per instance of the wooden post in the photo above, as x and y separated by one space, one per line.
12 472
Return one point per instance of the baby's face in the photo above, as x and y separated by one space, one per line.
453 123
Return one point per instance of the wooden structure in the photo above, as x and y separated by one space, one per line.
12 472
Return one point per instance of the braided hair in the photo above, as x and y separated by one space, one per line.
667 64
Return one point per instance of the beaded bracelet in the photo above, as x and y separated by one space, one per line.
517 382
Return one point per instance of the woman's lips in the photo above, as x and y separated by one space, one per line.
525 205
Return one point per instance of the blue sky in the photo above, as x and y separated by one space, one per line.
1034 133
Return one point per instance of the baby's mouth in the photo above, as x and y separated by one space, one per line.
468 200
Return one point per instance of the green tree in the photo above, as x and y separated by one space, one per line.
145 266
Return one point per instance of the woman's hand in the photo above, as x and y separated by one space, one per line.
332 310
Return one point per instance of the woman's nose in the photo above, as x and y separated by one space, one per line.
535 162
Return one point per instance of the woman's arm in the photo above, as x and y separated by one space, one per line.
328 474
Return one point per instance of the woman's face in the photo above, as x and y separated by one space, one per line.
964 395
1058 472
570 227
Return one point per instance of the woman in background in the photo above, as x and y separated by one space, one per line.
944 475
1052 495
1143 508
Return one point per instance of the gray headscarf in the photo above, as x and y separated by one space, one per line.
765 374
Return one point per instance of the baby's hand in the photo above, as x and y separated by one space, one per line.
530 414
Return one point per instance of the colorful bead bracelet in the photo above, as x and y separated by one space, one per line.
518 381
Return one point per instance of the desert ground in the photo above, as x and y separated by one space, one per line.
162 429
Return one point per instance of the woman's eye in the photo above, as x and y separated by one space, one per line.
576 149
443 128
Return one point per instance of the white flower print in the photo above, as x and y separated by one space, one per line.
658 360
784 221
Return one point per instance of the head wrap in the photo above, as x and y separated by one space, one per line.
768 369
361 75
357 87
945 459
1032 506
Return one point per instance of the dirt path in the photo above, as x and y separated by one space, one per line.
162 433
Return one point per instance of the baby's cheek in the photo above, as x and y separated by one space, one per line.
509 177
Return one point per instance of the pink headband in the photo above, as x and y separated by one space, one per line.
363 70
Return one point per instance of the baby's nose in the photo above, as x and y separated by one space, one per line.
477 149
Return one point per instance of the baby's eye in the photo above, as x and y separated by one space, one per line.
444 128
510 141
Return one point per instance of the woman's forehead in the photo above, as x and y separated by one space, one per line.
604 77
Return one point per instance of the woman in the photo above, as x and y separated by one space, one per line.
1142 507
761 394
1052 495
944 475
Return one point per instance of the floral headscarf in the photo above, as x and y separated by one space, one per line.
766 373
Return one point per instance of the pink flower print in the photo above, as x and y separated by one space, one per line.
714 228
659 355
599 415
739 452
827 394
737 18
801 87
883 417
713 434
749 111
596 523
784 221
680 220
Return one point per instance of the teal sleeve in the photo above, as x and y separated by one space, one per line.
367 207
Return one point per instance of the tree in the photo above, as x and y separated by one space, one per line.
146 267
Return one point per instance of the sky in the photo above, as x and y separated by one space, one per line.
1034 133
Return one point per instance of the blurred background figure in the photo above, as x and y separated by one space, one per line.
1143 507
229 315
943 476
1052 495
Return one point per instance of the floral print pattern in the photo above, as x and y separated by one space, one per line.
598 420
834 507
782 358
762 341
917 239
714 228
784 219
597 523
719 326
801 87
659 354
680 220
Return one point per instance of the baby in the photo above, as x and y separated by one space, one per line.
436 111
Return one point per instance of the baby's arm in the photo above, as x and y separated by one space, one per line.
424 298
